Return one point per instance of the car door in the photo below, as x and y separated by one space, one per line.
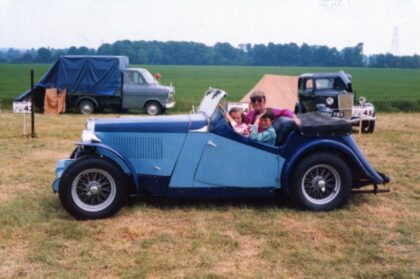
134 90
307 94
228 163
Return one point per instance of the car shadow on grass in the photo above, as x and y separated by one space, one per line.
282 201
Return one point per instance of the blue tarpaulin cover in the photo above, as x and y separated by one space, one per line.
84 75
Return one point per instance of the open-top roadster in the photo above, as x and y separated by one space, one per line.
199 155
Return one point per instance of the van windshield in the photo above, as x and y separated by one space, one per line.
149 78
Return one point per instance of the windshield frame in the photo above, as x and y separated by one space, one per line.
211 100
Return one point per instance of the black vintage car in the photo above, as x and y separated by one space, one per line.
332 94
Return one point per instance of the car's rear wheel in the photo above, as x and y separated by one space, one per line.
153 108
86 107
321 182
93 188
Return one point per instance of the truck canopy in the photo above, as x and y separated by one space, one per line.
83 74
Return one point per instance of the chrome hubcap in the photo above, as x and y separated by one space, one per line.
93 190
87 109
321 184
152 109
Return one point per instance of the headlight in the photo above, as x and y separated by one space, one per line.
90 125
89 136
329 101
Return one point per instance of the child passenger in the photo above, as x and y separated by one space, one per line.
236 118
268 134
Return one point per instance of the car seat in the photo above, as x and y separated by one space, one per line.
283 126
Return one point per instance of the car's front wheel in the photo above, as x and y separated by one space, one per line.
321 182
153 108
368 126
93 188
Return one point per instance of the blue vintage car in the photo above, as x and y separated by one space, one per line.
199 155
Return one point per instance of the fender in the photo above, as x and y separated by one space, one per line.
354 154
87 98
127 164
153 100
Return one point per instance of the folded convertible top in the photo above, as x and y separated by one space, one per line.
317 124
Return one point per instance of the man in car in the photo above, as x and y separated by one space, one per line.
285 119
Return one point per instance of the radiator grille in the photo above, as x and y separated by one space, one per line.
345 104
135 147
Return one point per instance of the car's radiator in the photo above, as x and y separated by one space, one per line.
345 104
137 147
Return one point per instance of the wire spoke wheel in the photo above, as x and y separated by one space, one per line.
321 184
93 187
93 190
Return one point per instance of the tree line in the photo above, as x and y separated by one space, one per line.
192 53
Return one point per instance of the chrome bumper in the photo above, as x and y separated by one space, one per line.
170 105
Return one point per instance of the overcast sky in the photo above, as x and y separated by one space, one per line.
383 25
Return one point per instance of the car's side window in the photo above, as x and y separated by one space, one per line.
309 85
135 78
324 83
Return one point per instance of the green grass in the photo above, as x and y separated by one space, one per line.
373 236
388 89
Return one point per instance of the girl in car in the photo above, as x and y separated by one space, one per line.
236 117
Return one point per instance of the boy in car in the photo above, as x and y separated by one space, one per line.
267 134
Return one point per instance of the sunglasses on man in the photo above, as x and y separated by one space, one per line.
257 100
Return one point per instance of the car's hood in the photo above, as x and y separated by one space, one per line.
163 88
149 124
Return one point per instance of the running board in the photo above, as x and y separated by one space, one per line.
375 190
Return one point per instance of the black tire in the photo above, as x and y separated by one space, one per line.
368 126
153 108
86 107
107 192
321 182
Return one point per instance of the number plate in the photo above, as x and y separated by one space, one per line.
338 114
22 107
333 114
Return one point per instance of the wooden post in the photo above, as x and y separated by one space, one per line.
32 105
122 90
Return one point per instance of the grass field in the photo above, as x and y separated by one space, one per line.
388 89
371 237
